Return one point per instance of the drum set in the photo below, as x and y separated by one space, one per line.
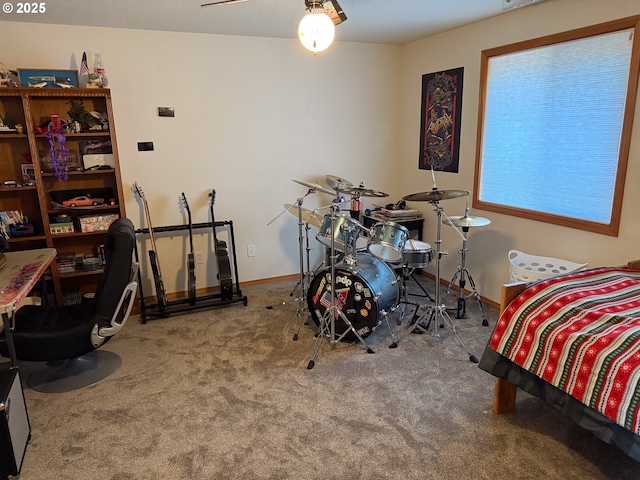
364 275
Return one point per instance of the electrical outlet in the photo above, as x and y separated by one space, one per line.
198 258
251 250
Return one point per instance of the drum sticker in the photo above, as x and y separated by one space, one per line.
346 281
341 299
359 287
357 297
316 296
367 304
364 330
367 293
364 312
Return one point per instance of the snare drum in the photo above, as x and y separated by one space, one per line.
345 232
416 254
387 241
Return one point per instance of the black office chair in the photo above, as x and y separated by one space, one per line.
67 337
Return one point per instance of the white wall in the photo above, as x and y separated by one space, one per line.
251 115
488 246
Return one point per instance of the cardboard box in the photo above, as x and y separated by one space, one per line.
98 160
96 223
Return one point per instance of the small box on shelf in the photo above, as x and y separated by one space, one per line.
58 228
96 223
66 263
71 297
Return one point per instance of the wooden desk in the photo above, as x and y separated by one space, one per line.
17 278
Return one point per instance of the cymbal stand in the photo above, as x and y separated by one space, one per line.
408 274
304 275
327 327
461 272
438 313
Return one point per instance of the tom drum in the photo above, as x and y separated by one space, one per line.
387 241
345 232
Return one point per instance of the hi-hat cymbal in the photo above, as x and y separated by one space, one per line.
469 221
435 195
337 182
315 186
308 216
361 192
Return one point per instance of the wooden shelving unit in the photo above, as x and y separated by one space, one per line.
32 107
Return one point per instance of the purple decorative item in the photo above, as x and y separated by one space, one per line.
58 155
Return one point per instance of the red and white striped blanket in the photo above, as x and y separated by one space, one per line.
581 333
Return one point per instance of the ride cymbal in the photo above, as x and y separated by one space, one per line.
315 186
337 182
308 216
464 222
435 195
361 192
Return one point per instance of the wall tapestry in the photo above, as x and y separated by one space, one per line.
440 120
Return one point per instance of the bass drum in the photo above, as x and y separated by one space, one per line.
363 292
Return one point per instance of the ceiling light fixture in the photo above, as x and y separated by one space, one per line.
316 29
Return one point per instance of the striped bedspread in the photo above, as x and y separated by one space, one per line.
581 333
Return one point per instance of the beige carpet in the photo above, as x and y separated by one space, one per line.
225 394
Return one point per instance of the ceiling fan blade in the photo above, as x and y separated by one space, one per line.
222 2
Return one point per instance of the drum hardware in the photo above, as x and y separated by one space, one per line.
436 314
327 321
465 222
305 217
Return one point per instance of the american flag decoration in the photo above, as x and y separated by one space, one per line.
84 67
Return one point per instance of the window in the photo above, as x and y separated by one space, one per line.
555 124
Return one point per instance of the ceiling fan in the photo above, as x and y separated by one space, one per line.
331 7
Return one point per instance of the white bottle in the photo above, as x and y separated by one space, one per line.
98 68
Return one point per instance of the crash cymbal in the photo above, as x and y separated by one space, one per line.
308 216
337 182
315 186
469 221
361 192
435 195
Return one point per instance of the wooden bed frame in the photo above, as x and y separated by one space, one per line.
504 393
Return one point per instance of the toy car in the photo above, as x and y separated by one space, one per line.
83 201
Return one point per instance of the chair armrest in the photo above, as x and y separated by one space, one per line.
99 335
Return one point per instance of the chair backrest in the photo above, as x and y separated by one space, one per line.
118 247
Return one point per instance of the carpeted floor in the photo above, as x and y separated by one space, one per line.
226 394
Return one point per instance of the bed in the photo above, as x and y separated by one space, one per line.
574 341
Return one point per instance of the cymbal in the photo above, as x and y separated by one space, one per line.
361 192
337 182
315 186
469 221
308 216
435 195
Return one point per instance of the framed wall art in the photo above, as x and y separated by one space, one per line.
47 78
440 120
